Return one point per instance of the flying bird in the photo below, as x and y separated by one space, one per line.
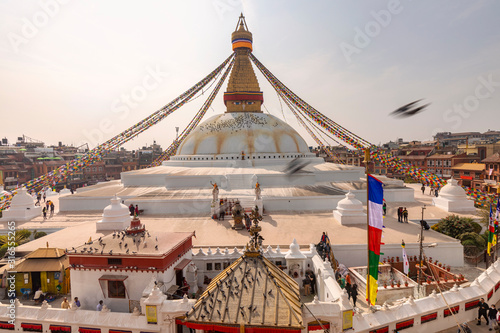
409 109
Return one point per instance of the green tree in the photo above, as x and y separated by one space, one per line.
473 239
454 226
39 234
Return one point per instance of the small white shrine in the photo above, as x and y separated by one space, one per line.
452 198
349 210
114 217
22 208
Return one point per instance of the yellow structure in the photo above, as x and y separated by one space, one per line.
45 268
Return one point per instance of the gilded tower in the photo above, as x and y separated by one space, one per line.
243 92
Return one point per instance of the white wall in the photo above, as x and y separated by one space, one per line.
85 285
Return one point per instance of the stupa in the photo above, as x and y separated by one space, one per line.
237 150
22 208
452 198
114 217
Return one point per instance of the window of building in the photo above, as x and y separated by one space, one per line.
218 266
114 261
226 265
116 289
209 266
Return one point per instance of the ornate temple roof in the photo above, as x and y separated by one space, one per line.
252 291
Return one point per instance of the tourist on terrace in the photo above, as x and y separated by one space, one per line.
384 208
65 304
400 214
99 306
77 302
492 315
44 212
131 209
482 312
405 215
136 210
354 293
423 188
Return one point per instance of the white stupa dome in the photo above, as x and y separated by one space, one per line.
114 217
22 199
452 190
350 204
248 132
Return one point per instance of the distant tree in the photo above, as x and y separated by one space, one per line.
39 234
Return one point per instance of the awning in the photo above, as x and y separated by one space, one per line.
6 325
31 327
180 266
42 265
118 331
89 330
58 328
110 277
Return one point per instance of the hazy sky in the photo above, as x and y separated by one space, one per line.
66 67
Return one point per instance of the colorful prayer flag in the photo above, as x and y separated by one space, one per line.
375 225
406 264
492 237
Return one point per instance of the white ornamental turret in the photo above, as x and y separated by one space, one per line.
22 208
452 198
114 217
349 211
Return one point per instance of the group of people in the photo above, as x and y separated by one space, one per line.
323 246
49 206
309 283
346 283
432 190
134 211
491 314
66 305
402 215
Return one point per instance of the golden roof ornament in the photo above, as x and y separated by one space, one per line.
243 92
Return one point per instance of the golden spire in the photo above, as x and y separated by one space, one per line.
243 92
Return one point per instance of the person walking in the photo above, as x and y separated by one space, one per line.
492 315
136 210
354 293
482 312
44 212
423 188
400 214
405 215
44 196
384 208
131 209
52 208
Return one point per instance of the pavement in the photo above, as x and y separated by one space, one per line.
278 228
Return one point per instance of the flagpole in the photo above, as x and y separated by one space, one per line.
367 160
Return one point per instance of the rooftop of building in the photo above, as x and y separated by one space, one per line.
469 166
